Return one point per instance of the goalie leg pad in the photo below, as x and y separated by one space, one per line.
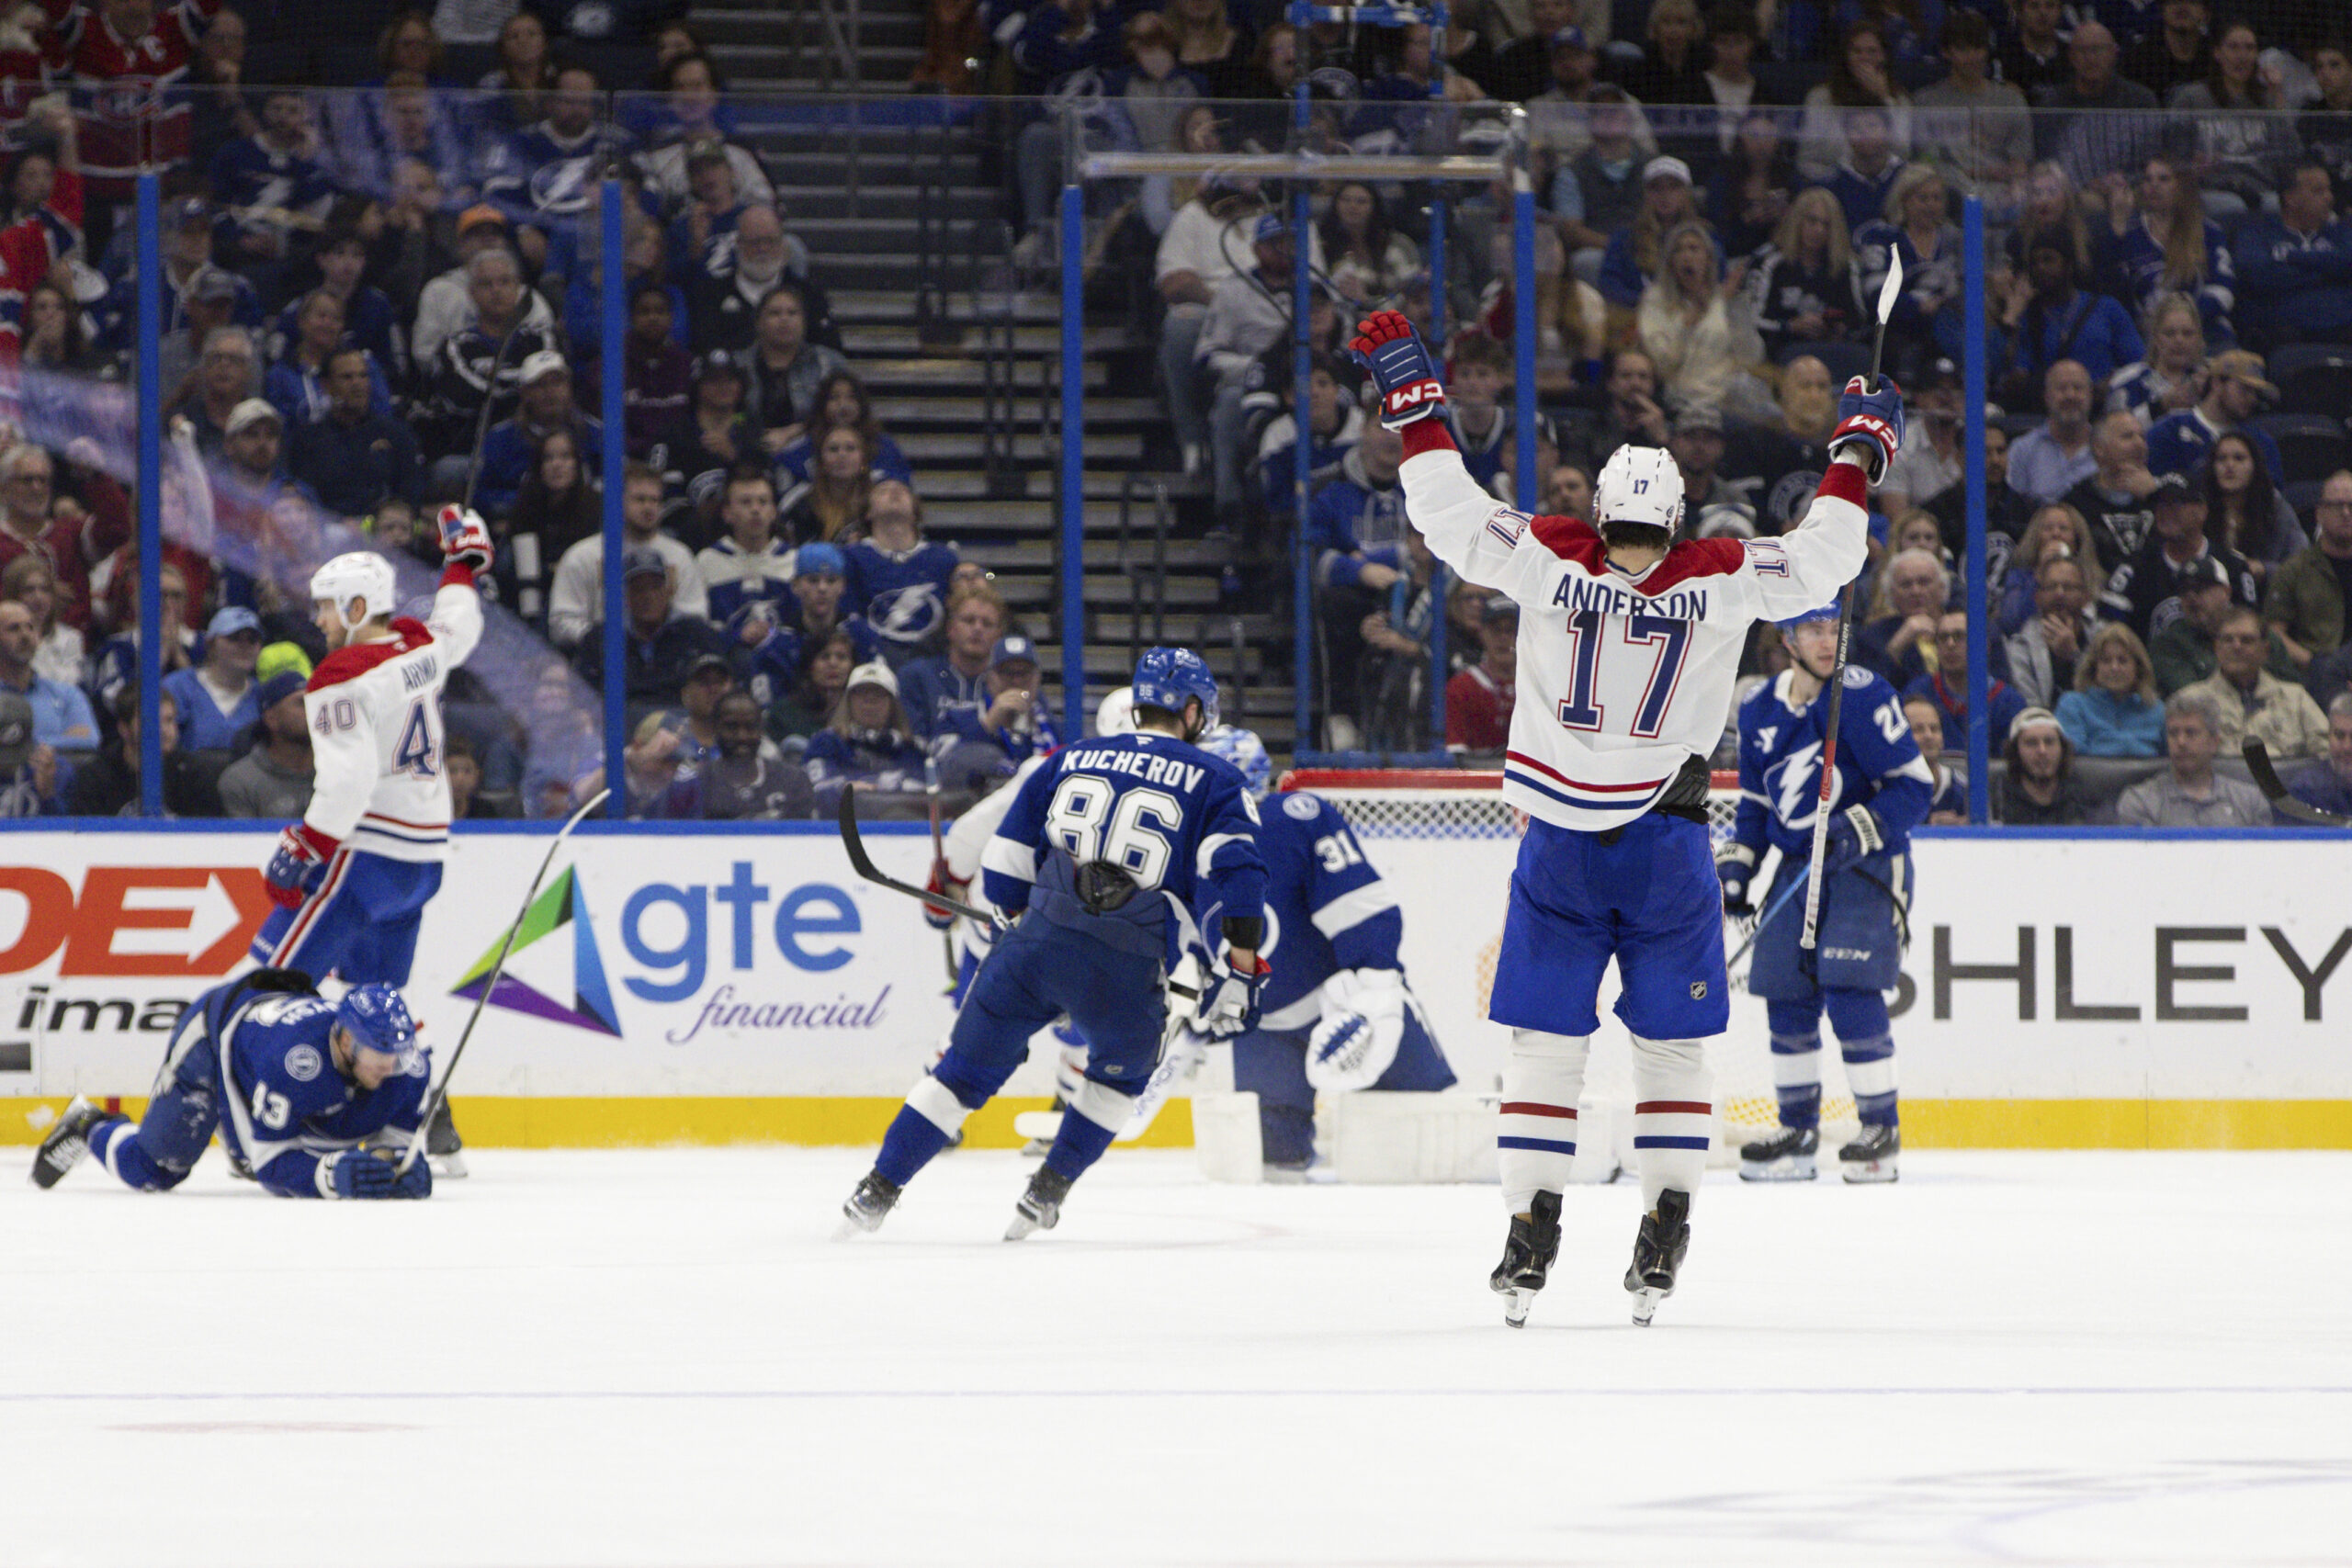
1273 1065
1673 1114
1535 1139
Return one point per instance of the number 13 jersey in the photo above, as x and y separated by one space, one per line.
376 731
1622 678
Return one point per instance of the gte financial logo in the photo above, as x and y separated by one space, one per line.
146 922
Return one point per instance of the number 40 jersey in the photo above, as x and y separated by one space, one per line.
376 735
1622 678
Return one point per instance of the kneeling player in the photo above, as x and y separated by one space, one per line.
319 1097
1882 791
1338 1016
1103 852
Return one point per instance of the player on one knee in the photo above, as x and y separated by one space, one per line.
1098 861
1630 637
353 877
1882 791
319 1097
1338 1015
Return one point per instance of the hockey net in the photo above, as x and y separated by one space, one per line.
1389 810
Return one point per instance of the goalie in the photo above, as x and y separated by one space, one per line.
1337 1014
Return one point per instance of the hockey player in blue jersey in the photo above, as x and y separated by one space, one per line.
319 1097
1102 856
1882 791
1630 638
1338 1016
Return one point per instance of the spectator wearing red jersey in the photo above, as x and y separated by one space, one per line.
1478 700
31 247
124 57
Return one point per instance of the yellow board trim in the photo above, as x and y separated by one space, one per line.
524 1122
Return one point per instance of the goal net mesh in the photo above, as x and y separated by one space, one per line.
1391 807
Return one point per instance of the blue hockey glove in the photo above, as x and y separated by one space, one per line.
1871 421
299 864
1736 866
373 1173
1228 1004
1854 834
1401 368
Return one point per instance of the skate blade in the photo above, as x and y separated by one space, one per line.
1790 1168
1517 1304
1646 1302
1022 1226
450 1166
1860 1171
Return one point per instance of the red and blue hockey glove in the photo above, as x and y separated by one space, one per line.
939 917
1401 368
465 539
1854 835
376 1173
299 864
1228 1004
1736 866
1871 421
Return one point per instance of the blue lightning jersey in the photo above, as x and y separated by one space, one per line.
1878 764
901 593
1176 819
283 1104
1327 908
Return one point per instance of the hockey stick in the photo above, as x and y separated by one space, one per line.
938 856
488 401
1888 293
863 864
1804 879
433 1102
2274 789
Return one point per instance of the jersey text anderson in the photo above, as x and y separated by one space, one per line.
1577 593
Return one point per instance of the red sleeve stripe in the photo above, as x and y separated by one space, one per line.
1532 1108
1845 481
1674 1108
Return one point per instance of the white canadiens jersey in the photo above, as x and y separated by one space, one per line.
376 731
1622 678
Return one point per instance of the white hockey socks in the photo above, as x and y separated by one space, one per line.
1536 1140
1673 1112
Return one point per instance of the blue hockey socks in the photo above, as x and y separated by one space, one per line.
1796 1061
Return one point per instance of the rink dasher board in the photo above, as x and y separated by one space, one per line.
2105 989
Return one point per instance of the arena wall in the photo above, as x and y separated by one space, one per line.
2106 990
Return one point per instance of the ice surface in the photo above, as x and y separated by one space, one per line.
658 1359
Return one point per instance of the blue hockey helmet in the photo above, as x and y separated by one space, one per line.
1167 677
1818 612
377 1020
1246 753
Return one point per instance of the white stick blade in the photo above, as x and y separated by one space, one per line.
1891 288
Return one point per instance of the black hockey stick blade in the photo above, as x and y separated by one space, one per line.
862 864
2274 789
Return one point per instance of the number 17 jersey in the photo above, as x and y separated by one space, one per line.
1622 677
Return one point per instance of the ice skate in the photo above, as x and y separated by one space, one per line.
1657 1253
441 1143
1786 1155
874 1198
1528 1254
66 1144
1039 1208
1871 1156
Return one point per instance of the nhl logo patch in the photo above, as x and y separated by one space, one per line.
1302 807
302 1064
1698 990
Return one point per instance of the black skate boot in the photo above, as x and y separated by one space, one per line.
1657 1253
1040 1208
1786 1155
876 1196
1528 1254
441 1143
1871 1156
66 1144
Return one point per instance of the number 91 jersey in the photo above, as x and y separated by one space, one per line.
375 732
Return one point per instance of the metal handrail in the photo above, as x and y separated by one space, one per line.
1157 570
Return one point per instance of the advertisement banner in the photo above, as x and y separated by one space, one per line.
708 966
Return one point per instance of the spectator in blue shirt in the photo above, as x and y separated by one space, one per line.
217 700
1016 724
2113 710
2053 320
936 689
2234 388
2295 270
1947 684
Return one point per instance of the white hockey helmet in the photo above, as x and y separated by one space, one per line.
357 574
1639 485
1116 714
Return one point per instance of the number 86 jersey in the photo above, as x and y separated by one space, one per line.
1622 677
375 732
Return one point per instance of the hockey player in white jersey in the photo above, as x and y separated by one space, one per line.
352 878
1630 636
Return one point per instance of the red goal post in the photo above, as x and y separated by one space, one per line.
1388 808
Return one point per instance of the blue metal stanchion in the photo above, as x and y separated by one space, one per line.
151 497
611 244
1522 333
1073 487
1979 626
